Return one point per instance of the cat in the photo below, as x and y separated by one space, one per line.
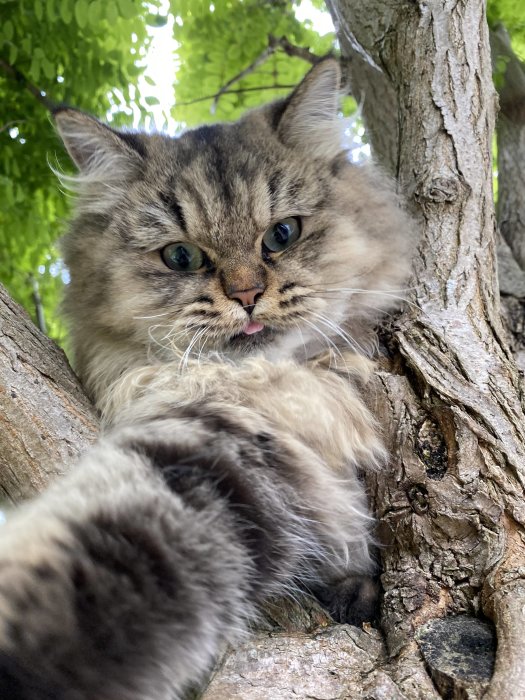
222 285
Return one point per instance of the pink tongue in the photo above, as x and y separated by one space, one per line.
253 327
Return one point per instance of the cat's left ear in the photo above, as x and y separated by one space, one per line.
310 120
97 149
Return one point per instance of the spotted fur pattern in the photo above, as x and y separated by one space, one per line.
228 467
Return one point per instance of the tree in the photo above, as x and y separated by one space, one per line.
448 393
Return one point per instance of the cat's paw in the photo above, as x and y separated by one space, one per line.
352 600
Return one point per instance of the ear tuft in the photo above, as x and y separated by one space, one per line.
309 120
108 160
94 146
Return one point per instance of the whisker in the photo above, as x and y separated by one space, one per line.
183 364
363 303
139 318
156 341
302 340
355 290
324 336
168 341
203 343
351 342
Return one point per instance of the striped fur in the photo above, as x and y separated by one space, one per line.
228 467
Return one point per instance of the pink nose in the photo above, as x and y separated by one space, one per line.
246 297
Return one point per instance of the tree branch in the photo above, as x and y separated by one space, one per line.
274 44
22 81
235 92
372 89
512 88
11 124
46 421
296 51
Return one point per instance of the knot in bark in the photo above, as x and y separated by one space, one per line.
439 189
418 496
431 448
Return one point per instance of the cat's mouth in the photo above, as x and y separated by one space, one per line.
254 334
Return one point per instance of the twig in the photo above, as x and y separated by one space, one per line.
20 78
274 44
37 301
297 51
261 58
235 92
10 124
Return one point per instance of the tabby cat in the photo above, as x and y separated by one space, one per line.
221 283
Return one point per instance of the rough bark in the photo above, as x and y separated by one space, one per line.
45 418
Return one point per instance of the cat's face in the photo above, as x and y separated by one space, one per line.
257 235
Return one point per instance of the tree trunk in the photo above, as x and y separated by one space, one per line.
451 513
451 510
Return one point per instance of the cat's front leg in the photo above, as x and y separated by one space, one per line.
123 580
113 587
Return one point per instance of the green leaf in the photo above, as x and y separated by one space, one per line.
150 80
127 9
26 45
8 30
34 70
111 13
150 100
13 53
39 10
81 13
94 12
50 11
49 69
65 12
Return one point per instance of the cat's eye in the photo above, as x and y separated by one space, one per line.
183 257
282 234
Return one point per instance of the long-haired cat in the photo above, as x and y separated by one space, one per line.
220 285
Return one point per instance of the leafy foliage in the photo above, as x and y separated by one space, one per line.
216 45
65 51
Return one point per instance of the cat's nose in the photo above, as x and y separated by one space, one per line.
246 297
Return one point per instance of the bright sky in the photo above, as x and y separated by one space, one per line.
162 65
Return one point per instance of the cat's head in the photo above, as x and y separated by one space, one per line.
258 235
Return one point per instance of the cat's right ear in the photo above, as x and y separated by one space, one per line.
96 148
309 120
